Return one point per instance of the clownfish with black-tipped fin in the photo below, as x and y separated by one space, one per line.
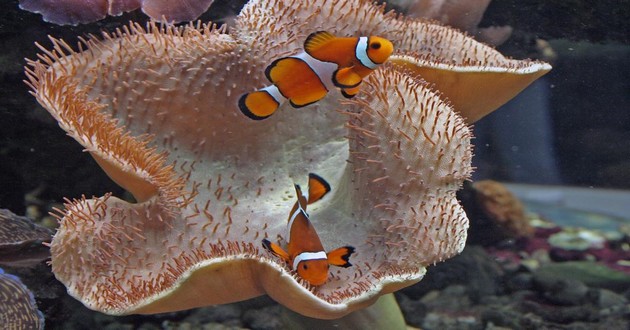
305 253
305 78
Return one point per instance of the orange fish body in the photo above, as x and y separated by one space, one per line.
305 252
355 57
327 62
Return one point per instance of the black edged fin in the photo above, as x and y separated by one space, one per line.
316 40
299 105
346 78
341 257
350 92
242 105
317 188
347 95
271 66
275 249
267 245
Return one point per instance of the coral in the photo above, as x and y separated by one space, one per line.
495 213
21 240
18 309
156 108
73 12
504 208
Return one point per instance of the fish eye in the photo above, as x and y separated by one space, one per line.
375 45
304 266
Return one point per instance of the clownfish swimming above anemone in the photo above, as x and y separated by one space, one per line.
327 62
305 252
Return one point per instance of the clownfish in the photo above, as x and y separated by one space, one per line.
305 78
305 253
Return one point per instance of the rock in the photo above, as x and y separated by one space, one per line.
501 317
589 273
445 321
473 267
562 291
579 239
413 310
119 326
452 298
562 314
266 318
520 281
148 326
218 314
606 299
219 326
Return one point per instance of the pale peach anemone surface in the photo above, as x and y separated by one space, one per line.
157 108
73 12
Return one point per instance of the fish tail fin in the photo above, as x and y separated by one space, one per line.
316 40
317 188
260 104
275 249
340 257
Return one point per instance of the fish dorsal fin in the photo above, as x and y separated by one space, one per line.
317 188
316 40
298 220
301 199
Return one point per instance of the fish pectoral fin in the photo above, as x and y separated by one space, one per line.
275 249
350 92
340 257
307 98
317 40
276 68
258 105
317 188
346 78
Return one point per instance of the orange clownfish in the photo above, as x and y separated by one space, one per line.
327 62
305 253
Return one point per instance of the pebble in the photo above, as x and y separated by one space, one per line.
589 273
607 299
567 292
501 317
266 318
413 310
520 281
219 313
441 321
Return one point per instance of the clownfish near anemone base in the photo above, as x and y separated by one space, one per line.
328 62
305 253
